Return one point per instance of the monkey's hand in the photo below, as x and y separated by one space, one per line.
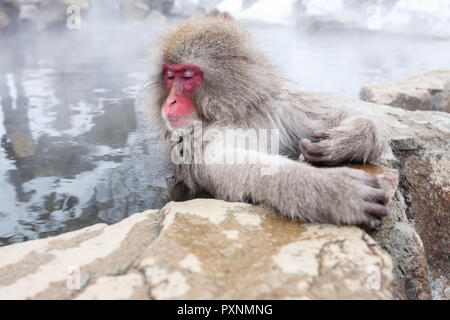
354 141
340 196
297 190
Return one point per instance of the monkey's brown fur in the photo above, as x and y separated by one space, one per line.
241 89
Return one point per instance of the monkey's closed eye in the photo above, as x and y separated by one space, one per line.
169 75
188 74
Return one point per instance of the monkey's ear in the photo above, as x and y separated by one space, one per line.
219 14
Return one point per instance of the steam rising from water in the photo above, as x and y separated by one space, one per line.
431 17
73 152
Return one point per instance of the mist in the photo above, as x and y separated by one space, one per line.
74 150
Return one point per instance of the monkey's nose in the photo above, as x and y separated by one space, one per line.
173 102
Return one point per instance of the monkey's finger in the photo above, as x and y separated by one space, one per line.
313 159
374 223
381 197
377 196
373 181
321 134
312 149
369 222
376 209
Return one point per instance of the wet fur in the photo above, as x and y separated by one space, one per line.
242 89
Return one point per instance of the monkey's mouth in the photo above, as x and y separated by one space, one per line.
179 122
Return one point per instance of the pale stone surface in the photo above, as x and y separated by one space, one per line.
269 257
60 267
206 249
423 91
118 288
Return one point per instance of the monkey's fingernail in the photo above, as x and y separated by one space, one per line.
376 223
321 134
380 196
376 210
304 144
311 148
305 141
373 181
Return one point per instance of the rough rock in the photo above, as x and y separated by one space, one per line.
416 234
421 207
77 264
400 239
405 246
423 91
214 249
205 249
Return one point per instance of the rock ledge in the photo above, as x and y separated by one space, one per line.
199 249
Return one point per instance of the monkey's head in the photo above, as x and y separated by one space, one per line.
208 69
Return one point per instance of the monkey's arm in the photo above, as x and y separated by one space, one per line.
357 135
297 190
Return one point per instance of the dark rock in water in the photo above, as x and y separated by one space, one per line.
58 15
164 6
9 15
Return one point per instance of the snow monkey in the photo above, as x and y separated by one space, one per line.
209 74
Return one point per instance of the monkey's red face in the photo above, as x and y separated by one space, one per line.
180 81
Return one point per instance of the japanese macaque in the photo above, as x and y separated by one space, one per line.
209 74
